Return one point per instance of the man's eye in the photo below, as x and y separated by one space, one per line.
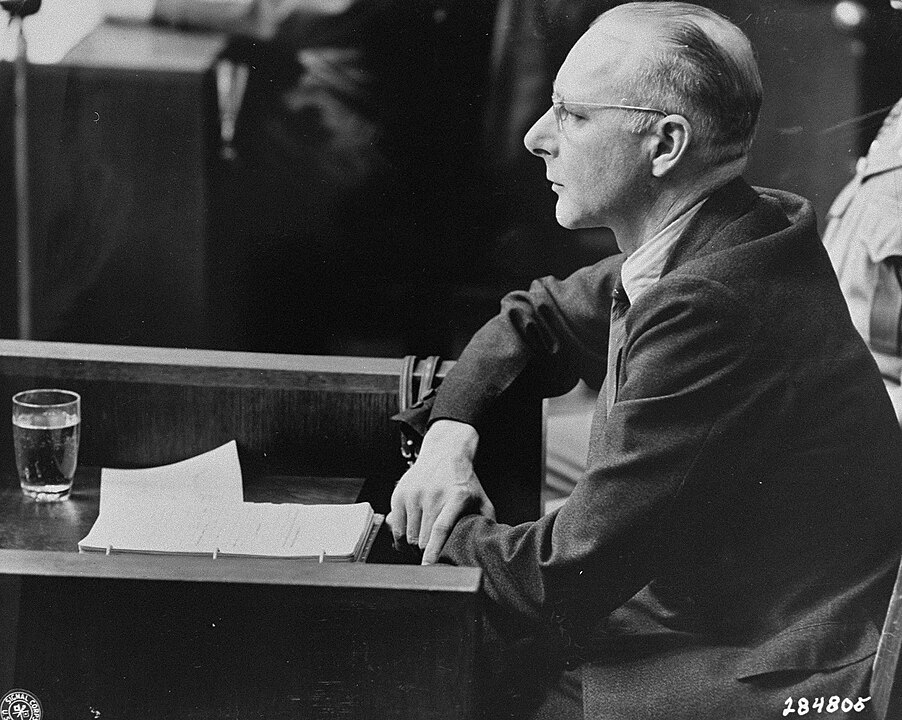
567 113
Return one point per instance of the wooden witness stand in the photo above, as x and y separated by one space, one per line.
143 636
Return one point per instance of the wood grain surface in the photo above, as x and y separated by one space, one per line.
144 636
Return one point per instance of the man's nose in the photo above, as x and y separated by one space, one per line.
541 138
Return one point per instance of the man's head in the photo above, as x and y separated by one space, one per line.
653 95
702 67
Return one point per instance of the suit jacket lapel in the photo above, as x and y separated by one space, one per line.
723 206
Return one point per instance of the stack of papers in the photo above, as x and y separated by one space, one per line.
196 507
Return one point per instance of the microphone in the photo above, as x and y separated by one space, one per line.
20 8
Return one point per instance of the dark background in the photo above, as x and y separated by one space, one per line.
381 201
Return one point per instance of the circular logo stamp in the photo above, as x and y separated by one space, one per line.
20 705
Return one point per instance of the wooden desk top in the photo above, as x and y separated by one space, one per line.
41 539
176 366
274 571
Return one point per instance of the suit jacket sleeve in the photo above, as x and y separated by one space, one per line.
685 374
542 341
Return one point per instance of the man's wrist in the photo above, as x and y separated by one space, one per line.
460 437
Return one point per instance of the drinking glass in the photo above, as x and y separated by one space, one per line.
46 428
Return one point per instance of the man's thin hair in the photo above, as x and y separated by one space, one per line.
695 73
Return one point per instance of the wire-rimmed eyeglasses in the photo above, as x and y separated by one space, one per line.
561 112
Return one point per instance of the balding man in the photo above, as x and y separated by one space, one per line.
730 550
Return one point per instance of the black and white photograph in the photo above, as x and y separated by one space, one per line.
451 359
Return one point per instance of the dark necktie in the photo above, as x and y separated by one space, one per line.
620 303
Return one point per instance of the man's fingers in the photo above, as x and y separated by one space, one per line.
451 506
428 519
397 521
441 529
397 518
414 513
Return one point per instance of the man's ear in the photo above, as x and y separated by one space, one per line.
669 143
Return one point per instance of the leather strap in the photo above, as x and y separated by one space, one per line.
430 367
405 383
410 443
405 400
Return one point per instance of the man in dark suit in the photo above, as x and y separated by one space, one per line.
730 550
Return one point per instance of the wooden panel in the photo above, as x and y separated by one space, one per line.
10 594
121 136
290 414
146 637
179 403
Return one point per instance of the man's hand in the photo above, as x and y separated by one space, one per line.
438 489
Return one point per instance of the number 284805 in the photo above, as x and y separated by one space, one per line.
820 705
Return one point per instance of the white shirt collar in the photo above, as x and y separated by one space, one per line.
643 268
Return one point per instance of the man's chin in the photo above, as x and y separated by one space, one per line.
565 219
571 222
576 218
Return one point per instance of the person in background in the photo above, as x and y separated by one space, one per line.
378 204
731 548
352 144
864 240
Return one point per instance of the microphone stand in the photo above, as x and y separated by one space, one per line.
20 160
